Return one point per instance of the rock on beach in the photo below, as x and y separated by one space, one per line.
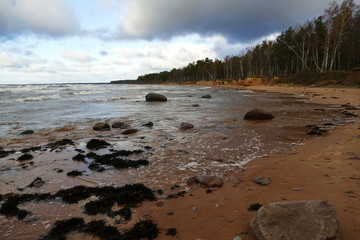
186 126
257 114
155 97
101 126
300 220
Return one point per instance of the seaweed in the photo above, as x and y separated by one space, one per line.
74 173
26 150
99 229
101 206
60 143
9 207
125 213
171 232
143 229
80 157
64 227
96 167
25 157
74 195
5 153
179 194
96 144
115 160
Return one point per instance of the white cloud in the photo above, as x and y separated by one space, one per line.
37 16
76 56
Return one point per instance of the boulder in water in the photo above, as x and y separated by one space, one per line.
257 114
155 97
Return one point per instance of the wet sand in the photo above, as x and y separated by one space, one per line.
326 167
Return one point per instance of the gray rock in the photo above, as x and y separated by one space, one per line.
186 126
257 114
263 181
129 131
26 132
206 96
155 97
298 220
118 124
101 126
210 181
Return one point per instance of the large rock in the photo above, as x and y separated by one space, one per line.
302 220
155 97
257 114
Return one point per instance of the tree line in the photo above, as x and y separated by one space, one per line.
327 43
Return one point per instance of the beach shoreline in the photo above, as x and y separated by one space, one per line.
324 167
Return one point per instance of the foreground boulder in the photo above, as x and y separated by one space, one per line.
298 220
257 114
155 97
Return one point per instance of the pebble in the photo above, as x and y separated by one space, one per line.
194 208
297 189
237 238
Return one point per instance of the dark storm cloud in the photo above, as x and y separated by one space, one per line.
236 19
53 18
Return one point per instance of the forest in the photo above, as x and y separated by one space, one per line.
330 42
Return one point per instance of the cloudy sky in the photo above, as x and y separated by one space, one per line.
57 41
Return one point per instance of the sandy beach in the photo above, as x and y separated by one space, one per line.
326 167
323 167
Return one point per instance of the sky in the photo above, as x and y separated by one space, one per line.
93 41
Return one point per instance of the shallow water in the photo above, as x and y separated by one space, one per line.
220 143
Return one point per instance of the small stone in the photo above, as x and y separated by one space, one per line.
206 96
195 105
297 189
160 204
118 124
148 124
186 126
194 208
210 181
27 132
101 126
263 181
349 192
170 213
129 131
237 238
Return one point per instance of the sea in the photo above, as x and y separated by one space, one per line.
220 144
